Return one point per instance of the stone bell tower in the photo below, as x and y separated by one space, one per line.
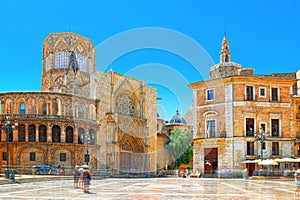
68 60
226 68
225 53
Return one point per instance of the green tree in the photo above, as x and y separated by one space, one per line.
180 146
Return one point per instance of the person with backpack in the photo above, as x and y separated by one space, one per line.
86 179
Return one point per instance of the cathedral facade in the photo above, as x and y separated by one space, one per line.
80 110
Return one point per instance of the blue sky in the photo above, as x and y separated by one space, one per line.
262 34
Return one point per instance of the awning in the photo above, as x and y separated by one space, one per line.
268 162
287 160
250 161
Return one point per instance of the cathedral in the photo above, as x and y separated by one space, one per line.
81 115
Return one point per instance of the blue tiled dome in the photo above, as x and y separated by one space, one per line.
177 119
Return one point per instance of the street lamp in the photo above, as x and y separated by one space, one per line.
8 130
261 137
86 140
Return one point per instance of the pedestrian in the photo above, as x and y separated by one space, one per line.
12 175
245 175
86 179
80 180
33 170
297 182
76 176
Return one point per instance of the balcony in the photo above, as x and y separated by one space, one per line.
218 135
251 157
54 117
275 134
249 133
276 154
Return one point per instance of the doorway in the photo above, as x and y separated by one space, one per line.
250 168
210 160
125 160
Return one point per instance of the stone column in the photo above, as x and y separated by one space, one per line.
62 134
37 132
26 132
15 134
75 136
49 132
37 105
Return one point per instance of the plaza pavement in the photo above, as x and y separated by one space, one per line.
55 187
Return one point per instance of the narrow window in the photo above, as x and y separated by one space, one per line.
3 155
249 93
275 127
44 108
92 138
42 133
22 108
31 133
63 157
250 127
274 94
210 94
250 148
80 136
275 148
211 128
32 156
69 134
21 133
56 133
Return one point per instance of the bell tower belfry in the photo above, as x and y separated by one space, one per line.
68 60
225 53
226 68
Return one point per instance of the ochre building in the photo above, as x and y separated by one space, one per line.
80 111
233 106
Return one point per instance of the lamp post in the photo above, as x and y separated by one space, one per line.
86 140
261 137
8 130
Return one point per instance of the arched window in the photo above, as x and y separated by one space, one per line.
57 106
21 133
22 108
55 133
80 135
61 56
92 139
69 134
81 58
31 133
81 110
42 133
44 108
